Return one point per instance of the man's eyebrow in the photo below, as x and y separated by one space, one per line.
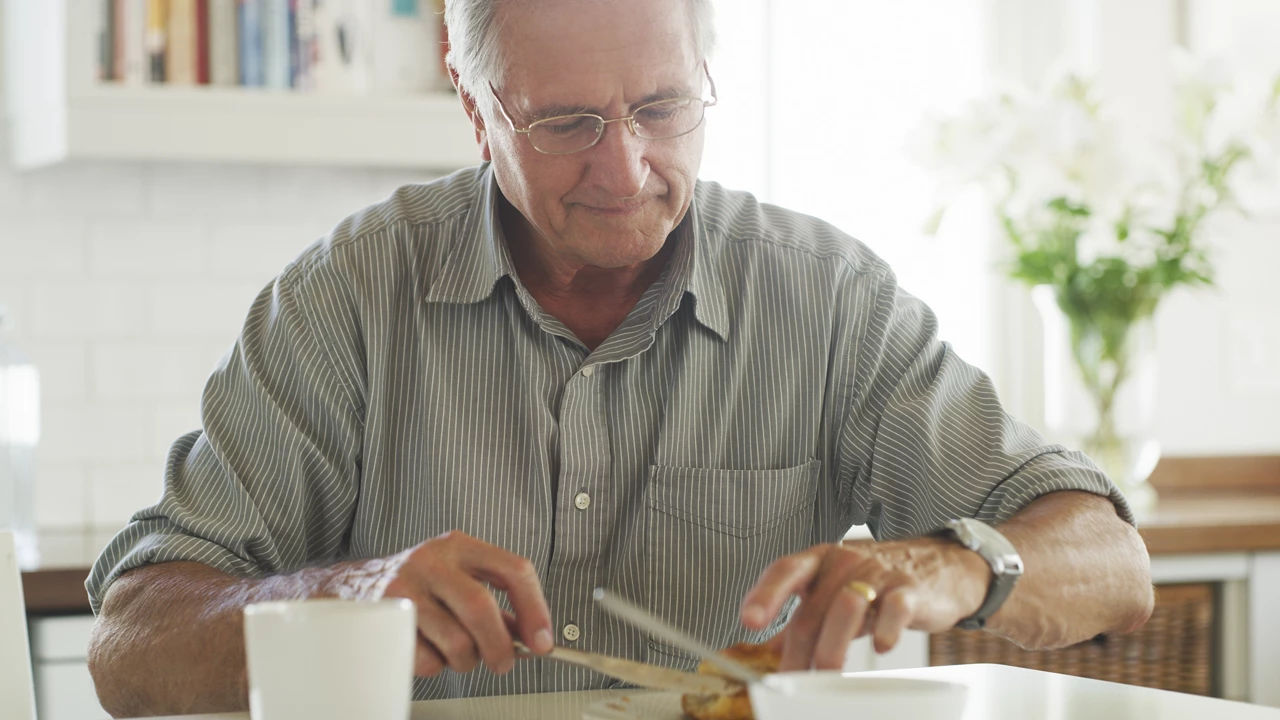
666 93
550 111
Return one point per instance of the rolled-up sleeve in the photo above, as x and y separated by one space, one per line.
270 482
926 439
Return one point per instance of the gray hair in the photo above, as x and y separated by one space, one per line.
477 56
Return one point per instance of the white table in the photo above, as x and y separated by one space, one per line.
997 692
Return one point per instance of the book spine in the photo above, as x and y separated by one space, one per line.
157 39
275 42
224 63
305 30
294 49
106 40
202 42
249 24
131 26
180 46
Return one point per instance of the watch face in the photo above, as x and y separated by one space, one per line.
989 536
994 547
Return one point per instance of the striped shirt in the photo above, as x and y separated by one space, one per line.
770 390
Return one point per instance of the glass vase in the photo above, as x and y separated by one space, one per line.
1100 396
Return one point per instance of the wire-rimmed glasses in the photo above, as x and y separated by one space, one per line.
658 120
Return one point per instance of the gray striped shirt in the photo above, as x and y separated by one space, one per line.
773 388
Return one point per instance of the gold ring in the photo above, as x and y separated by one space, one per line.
866 591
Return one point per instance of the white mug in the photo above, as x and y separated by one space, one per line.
330 659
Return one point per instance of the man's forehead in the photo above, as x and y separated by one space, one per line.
552 37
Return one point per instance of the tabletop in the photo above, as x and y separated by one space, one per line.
997 692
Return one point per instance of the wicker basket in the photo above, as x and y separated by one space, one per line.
1173 651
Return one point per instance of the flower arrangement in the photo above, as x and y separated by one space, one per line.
1110 216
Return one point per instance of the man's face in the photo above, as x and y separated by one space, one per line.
611 205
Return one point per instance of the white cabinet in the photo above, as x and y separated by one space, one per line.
59 112
64 690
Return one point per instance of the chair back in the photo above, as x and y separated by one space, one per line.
17 691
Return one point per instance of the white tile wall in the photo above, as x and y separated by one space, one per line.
128 281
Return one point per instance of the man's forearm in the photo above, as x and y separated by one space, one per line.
1087 572
170 640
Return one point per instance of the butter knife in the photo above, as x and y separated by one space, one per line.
638 673
643 620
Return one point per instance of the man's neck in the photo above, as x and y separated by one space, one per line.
591 301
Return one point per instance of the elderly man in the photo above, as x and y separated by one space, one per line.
576 366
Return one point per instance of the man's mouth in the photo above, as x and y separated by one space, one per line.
617 209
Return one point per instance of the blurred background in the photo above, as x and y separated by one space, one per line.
153 179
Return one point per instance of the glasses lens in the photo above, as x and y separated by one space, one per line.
570 133
668 118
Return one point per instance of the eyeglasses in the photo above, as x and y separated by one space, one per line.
660 120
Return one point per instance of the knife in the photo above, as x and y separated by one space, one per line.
643 620
638 673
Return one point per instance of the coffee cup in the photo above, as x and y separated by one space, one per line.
324 659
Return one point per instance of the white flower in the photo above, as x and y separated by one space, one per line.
1028 149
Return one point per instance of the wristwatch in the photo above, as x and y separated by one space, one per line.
1006 565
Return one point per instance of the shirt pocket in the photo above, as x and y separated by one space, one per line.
711 533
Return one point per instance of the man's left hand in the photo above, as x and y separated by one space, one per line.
925 584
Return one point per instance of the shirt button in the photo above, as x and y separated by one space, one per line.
588 371
582 501
571 632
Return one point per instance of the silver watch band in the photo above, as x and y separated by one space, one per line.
1000 556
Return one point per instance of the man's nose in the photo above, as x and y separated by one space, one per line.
619 161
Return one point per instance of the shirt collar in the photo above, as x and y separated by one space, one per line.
479 259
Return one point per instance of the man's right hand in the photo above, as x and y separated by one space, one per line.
459 620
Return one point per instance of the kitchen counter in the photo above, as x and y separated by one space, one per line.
1214 504
1206 505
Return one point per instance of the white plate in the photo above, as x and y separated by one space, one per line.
637 705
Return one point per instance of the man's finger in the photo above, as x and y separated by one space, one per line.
841 625
519 580
894 612
783 578
515 576
446 635
477 611
426 661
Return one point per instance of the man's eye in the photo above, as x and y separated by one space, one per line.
565 125
662 111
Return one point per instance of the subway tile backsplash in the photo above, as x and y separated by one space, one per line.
127 282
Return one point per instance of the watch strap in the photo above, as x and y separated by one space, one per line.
999 589
1000 556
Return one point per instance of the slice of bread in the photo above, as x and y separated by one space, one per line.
737 705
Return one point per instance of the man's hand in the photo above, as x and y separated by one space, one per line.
459 621
1086 572
170 637
925 584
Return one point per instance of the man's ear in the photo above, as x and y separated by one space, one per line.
473 114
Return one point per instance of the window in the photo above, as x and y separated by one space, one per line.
820 101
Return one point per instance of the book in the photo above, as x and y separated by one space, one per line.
180 45
129 65
249 32
224 62
202 42
106 39
157 38
275 43
303 48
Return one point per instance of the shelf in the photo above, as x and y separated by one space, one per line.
249 126
58 113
